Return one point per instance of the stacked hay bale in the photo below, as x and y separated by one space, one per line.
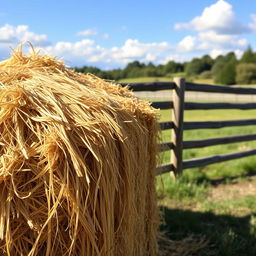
77 163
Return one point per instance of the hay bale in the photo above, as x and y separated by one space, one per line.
77 163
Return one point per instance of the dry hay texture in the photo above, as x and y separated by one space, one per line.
77 163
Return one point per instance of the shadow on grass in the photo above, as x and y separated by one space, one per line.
224 180
227 235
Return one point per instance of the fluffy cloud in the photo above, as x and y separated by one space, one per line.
187 44
213 43
85 51
89 52
12 35
218 17
217 31
88 32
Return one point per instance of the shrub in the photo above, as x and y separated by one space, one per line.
246 73
228 73
206 75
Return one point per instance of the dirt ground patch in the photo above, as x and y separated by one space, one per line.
237 189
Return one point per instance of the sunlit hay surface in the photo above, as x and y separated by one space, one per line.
77 163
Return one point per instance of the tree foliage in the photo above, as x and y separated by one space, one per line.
220 62
199 65
228 73
225 69
246 73
248 56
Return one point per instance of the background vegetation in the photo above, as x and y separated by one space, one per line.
216 202
225 69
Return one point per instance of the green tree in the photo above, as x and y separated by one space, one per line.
248 56
150 70
133 69
198 65
220 62
218 65
246 73
228 73
173 67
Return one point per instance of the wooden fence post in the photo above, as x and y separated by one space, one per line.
177 131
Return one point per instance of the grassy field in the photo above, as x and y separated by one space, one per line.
144 79
151 79
216 201
166 79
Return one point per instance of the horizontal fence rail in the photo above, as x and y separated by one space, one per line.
157 86
219 89
177 125
162 104
218 124
204 106
216 159
166 146
216 141
164 169
167 125
207 106
152 86
209 124
208 142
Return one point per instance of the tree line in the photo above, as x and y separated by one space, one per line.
225 69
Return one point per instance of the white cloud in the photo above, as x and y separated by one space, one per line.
217 31
210 39
211 42
187 44
105 36
218 17
216 52
133 49
90 53
12 35
73 53
88 32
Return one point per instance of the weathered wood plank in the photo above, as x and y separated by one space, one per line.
177 118
216 159
162 104
219 88
149 86
216 141
217 124
219 105
164 169
165 146
166 125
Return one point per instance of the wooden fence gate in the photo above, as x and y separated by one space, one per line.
177 125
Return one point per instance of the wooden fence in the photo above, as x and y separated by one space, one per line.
177 125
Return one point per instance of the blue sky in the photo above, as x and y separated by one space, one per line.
109 34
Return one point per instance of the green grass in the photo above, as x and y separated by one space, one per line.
151 79
246 204
180 189
144 79
170 77
189 204
231 168
229 224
